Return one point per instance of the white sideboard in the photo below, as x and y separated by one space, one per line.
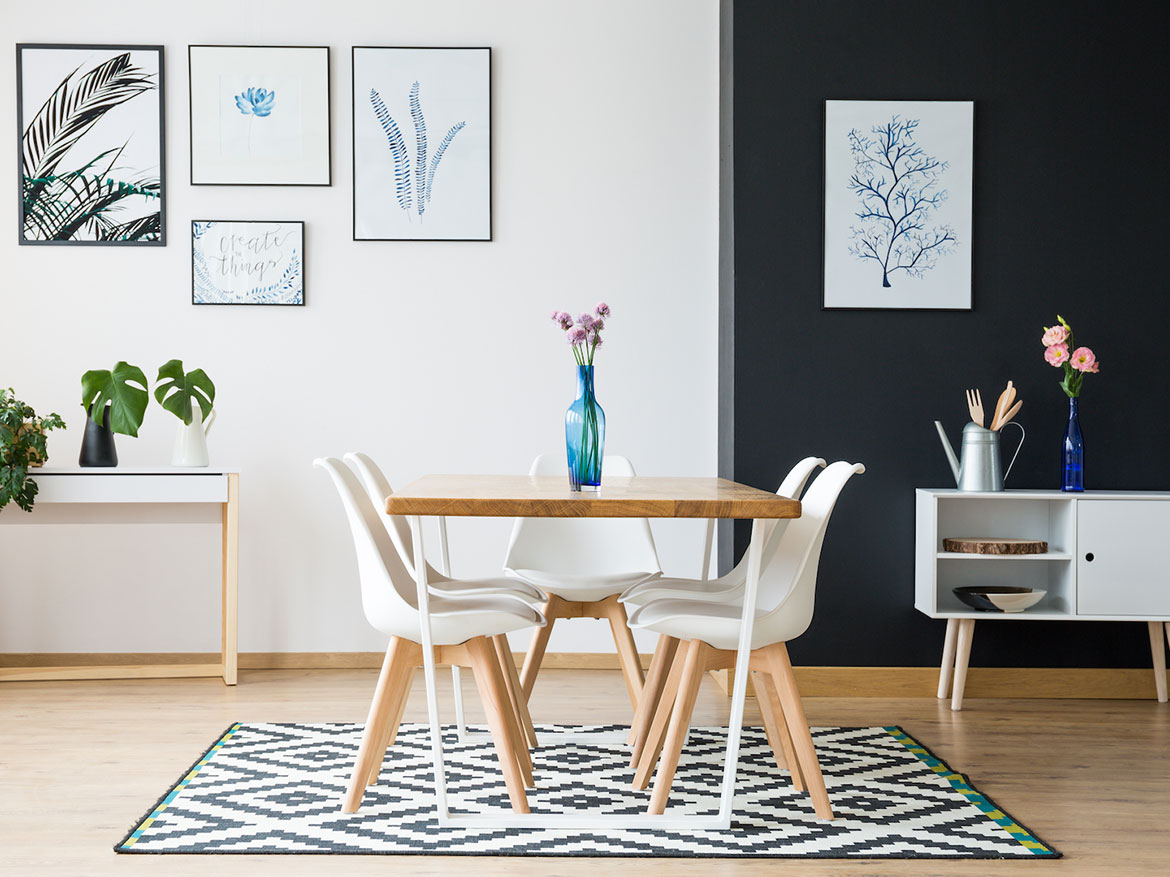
1108 559
126 484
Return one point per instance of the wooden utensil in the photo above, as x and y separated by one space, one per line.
1011 412
1000 407
975 406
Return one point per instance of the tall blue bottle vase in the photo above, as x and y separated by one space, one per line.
585 434
1073 452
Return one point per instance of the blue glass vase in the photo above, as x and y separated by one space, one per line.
585 434
1074 450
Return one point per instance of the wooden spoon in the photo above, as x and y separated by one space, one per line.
1000 408
1010 414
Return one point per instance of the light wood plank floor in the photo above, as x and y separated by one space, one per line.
80 761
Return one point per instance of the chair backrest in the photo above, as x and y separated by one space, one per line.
389 595
793 484
378 487
788 582
582 546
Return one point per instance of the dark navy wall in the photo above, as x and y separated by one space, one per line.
1072 215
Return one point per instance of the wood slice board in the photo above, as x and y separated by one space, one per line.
964 545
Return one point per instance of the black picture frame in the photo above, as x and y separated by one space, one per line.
21 48
490 140
304 266
328 117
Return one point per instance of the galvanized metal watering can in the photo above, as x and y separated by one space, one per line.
978 466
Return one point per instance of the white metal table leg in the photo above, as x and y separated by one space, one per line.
428 650
456 679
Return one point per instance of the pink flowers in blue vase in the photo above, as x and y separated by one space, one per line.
584 334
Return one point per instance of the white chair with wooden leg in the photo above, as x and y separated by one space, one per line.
378 487
461 632
582 565
727 588
708 633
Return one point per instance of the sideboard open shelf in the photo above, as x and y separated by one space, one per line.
1108 559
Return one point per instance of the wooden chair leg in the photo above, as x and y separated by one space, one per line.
680 720
512 680
401 693
495 704
1158 653
779 738
806 754
962 658
948 658
643 762
627 649
536 647
664 652
515 730
376 721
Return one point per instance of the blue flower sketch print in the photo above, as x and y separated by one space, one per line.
412 190
898 185
256 102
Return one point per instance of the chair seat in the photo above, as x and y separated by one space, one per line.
582 588
456 620
499 585
665 588
716 624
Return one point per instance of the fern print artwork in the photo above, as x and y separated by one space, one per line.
898 182
247 262
91 165
422 145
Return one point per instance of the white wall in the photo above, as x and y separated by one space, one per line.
432 357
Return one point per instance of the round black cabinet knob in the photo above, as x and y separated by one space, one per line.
1089 557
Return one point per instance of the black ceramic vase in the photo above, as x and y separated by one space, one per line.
97 445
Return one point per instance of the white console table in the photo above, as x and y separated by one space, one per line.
154 485
1108 560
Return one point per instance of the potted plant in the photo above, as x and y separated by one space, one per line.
183 393
22 447
113 404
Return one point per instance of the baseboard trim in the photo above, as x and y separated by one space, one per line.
1033 682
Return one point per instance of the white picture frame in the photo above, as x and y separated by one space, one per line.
260 115
898 204
247 262
422 144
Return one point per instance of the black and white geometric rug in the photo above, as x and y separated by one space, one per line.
276 788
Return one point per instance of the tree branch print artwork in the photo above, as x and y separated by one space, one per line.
899 186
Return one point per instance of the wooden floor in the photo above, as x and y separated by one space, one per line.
80 761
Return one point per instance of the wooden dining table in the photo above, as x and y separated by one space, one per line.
444 496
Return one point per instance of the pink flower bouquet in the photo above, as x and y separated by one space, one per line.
1081 361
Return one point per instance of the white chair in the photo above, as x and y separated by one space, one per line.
378 487
582 565
461 628
723 589
710 632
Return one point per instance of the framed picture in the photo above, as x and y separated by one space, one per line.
898 221
422 144
259 115
247 262
91 162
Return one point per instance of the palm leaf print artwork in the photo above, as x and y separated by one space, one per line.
425 166
67 196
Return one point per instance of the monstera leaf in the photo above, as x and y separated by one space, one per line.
175 390
117 389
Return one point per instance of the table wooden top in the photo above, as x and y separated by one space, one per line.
544 497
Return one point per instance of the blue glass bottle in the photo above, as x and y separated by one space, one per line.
1074 450
585 434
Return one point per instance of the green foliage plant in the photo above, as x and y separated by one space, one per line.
117 389
176 389
22 445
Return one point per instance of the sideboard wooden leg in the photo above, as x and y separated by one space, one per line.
962 656
1158 652
948 658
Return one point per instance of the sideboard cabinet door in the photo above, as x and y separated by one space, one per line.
1123 557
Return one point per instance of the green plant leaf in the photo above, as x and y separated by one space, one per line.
116 389
176 389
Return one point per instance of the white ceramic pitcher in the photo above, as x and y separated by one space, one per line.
191 439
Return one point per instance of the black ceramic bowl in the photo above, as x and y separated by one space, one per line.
999 598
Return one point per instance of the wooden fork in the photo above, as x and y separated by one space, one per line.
975 406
